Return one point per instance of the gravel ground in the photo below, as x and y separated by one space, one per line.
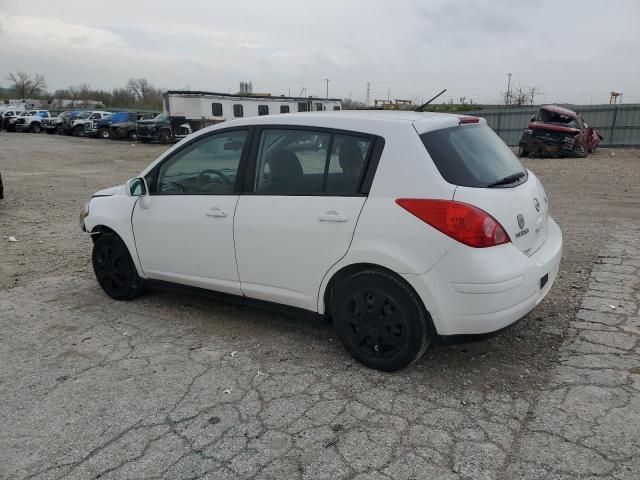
184 387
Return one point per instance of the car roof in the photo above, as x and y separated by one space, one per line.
560 110
358 120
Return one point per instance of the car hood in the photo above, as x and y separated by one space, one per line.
108 192
553 127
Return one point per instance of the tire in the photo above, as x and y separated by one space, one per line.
60 130
78 131
580 151
133 135
35 127
114 268
522 151
165 136
104 133
380 320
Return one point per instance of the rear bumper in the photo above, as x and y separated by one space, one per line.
474 291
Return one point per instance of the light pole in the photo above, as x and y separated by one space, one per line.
508 89
327 80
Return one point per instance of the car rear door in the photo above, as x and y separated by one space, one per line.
297 218
184 234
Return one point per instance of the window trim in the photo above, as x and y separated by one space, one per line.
152 176
371 161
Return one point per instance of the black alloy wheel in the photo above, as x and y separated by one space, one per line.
380 320
114 268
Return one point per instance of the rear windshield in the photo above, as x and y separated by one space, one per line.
471 155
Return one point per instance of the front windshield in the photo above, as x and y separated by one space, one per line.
160 116
84 115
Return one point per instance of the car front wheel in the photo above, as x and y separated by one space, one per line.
380 320
114 268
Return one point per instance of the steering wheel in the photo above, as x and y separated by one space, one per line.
217 173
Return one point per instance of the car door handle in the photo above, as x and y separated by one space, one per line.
216 212
333 216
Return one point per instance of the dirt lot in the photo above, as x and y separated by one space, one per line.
184 387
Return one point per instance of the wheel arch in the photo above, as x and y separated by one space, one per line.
324 305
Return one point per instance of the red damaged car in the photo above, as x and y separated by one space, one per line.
558 132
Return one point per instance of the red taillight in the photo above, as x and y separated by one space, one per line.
468 119
461 221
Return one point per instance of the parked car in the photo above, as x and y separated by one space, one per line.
558 132
8 118
32 121
100 128
83 122
403 228
11 122
59 123
162 128
127 130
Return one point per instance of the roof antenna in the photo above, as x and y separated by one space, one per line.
422 107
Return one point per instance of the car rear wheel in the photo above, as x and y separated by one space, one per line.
133 136
114 268
103 133
380 320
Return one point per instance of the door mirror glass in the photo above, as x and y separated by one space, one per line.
137 187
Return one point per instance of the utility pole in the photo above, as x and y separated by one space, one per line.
368 93
327 80
508 89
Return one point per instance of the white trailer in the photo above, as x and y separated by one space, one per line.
202 109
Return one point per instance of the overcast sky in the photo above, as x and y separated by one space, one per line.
576 51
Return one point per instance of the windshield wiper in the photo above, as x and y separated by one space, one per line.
507 180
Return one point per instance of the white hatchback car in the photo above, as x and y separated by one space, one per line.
402 227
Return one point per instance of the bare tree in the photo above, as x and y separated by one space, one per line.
74 93
83 92
520 96
139 88
26 86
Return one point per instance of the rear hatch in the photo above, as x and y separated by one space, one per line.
489 176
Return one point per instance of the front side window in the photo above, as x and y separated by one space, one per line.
216 109
208 166
284 108
238 111
95 115
263 109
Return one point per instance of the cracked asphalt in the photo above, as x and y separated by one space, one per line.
180 387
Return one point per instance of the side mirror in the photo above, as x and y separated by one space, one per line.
137 187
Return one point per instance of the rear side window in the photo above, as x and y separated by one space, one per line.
471 155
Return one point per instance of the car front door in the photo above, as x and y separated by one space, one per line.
184 232
298 216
